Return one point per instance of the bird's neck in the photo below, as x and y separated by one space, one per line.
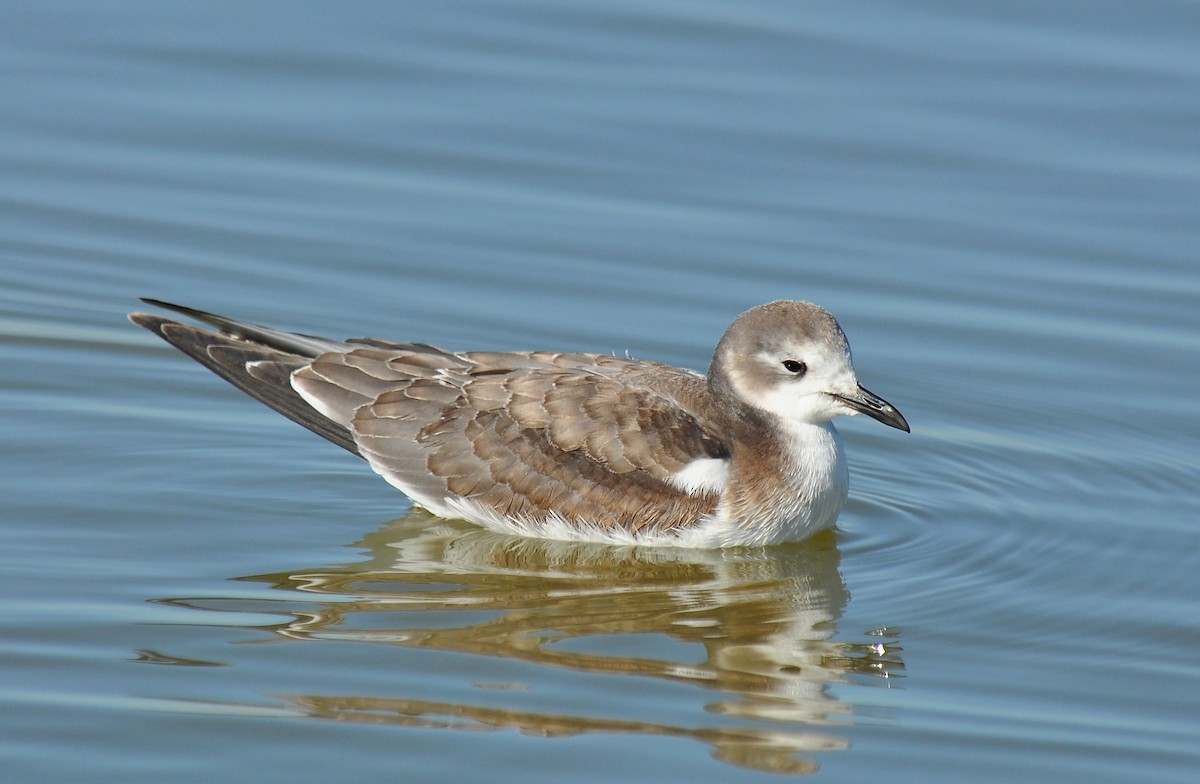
789 478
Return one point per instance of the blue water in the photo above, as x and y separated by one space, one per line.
999 202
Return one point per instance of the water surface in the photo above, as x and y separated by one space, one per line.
999 203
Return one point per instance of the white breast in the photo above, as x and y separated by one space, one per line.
804 498
819 476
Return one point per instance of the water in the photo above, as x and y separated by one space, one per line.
998 202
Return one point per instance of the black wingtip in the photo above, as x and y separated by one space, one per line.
199 315
226 325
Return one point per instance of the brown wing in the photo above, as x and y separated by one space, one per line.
529 436
588 438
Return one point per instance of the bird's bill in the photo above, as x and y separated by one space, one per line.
867 402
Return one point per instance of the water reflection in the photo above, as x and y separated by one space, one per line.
764 619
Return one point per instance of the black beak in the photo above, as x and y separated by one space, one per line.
867 402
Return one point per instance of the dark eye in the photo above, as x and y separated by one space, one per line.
792 366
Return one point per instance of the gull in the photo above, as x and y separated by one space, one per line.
575 446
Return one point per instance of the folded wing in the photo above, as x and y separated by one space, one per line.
528 436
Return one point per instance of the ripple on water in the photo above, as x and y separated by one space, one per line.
967 521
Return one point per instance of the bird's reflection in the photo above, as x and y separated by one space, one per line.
765 619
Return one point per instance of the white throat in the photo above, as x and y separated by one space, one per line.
817 469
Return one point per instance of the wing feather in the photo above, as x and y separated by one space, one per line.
533 436
532 443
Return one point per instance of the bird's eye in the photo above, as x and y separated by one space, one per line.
793 366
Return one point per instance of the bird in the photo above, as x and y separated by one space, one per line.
574 446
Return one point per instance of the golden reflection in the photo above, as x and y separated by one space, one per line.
764 621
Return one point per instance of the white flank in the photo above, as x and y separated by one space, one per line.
703 475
